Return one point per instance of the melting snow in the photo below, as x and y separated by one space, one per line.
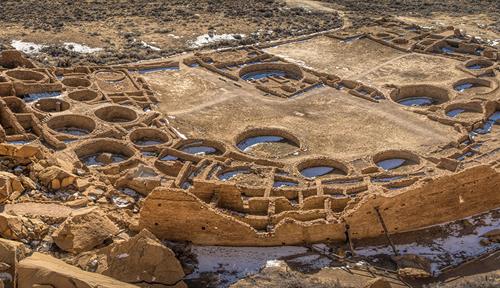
33 48
27 47
80 48
150 46
42 95
234 263
450 250
182 136
274 263
121 256
206 39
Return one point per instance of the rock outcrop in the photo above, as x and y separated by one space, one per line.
413 266
19 227
10 185
377 283
142 258
492 235
56 178
40 269
83 230
10 253
25 151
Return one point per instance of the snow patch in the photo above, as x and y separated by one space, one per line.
234 263
33 48
206 39
80 48
123 255
450 250
150 46
6 276
27 47
42 95
182 136
274 263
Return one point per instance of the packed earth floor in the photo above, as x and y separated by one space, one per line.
258 144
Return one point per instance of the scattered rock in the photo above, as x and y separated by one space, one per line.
21 228
23 152
83 230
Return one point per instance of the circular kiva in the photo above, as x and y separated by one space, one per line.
321 166
75 82
229 173
84 95
478 64
464 108
419 95
15 104
27 76
101 153
267 142
116 114
109 75
72 124
51 105
201 147
390 160
474 85
147 137
265 70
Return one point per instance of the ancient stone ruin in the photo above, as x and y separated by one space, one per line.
90 156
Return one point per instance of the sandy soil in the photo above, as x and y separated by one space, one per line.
128 32
366 127
120 27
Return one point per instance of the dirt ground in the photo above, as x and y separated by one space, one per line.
359 10
354 126
142 30
120 26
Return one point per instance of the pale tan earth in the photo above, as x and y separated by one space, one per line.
379 127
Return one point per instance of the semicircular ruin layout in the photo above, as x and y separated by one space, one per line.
279 149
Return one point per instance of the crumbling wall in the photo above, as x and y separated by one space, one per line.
178 215
439 200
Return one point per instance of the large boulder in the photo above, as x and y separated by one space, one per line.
413 266
21 228
10 253
10 185
83 230
492 235
50 213
40 270
56 178
377 283
23 152
142 258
